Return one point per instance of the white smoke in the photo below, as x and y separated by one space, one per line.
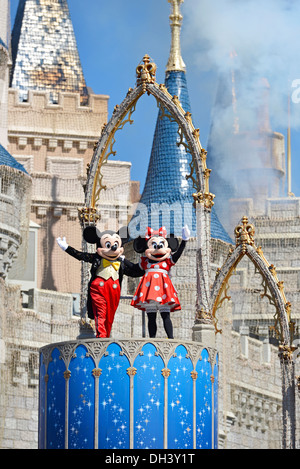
265 36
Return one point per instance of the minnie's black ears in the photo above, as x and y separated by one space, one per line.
173 243
140 245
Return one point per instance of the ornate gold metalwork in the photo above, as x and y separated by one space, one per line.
166 372
97 372
67 374
131 371
224 296
98 186
194 375
244 233
203 316
288 306
286 352
245 237
175 61
203 156
207 199
188 118
88 215
146 72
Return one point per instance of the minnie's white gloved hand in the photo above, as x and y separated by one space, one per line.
186 233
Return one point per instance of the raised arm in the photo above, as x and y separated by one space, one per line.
185 237
80 256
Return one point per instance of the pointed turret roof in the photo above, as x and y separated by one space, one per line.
6 159
44 50
169 164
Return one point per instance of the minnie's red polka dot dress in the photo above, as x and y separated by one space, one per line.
156 285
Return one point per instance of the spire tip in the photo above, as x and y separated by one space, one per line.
175 61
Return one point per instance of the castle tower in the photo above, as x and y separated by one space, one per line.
247 158
44 50
167 192
15 183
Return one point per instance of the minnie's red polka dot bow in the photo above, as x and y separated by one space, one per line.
150 232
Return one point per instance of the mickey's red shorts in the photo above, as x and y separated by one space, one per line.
105 296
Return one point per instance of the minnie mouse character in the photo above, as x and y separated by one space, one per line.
155 291
107 271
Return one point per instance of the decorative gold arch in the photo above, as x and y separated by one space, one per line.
170 107
245 245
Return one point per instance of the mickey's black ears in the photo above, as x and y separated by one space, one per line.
140 245
173 243
90 234
124 235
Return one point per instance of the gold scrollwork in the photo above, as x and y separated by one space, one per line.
107 152
218 305
191 175
277 329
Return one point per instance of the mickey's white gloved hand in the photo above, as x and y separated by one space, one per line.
186 233
62 243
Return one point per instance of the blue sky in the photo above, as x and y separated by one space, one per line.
113 36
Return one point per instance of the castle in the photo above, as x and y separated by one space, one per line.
50 125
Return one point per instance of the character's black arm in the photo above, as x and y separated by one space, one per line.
80 256
132 270
179 251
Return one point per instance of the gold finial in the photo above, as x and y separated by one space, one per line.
244 233
175 61
145 73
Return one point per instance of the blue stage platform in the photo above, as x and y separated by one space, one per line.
128 394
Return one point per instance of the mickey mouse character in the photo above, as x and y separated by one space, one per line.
107 271
155 291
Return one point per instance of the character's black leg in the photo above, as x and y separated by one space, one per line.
152 327
167 324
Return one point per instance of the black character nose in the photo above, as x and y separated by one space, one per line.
114 248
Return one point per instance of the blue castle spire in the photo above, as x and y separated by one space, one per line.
44 50
167 198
